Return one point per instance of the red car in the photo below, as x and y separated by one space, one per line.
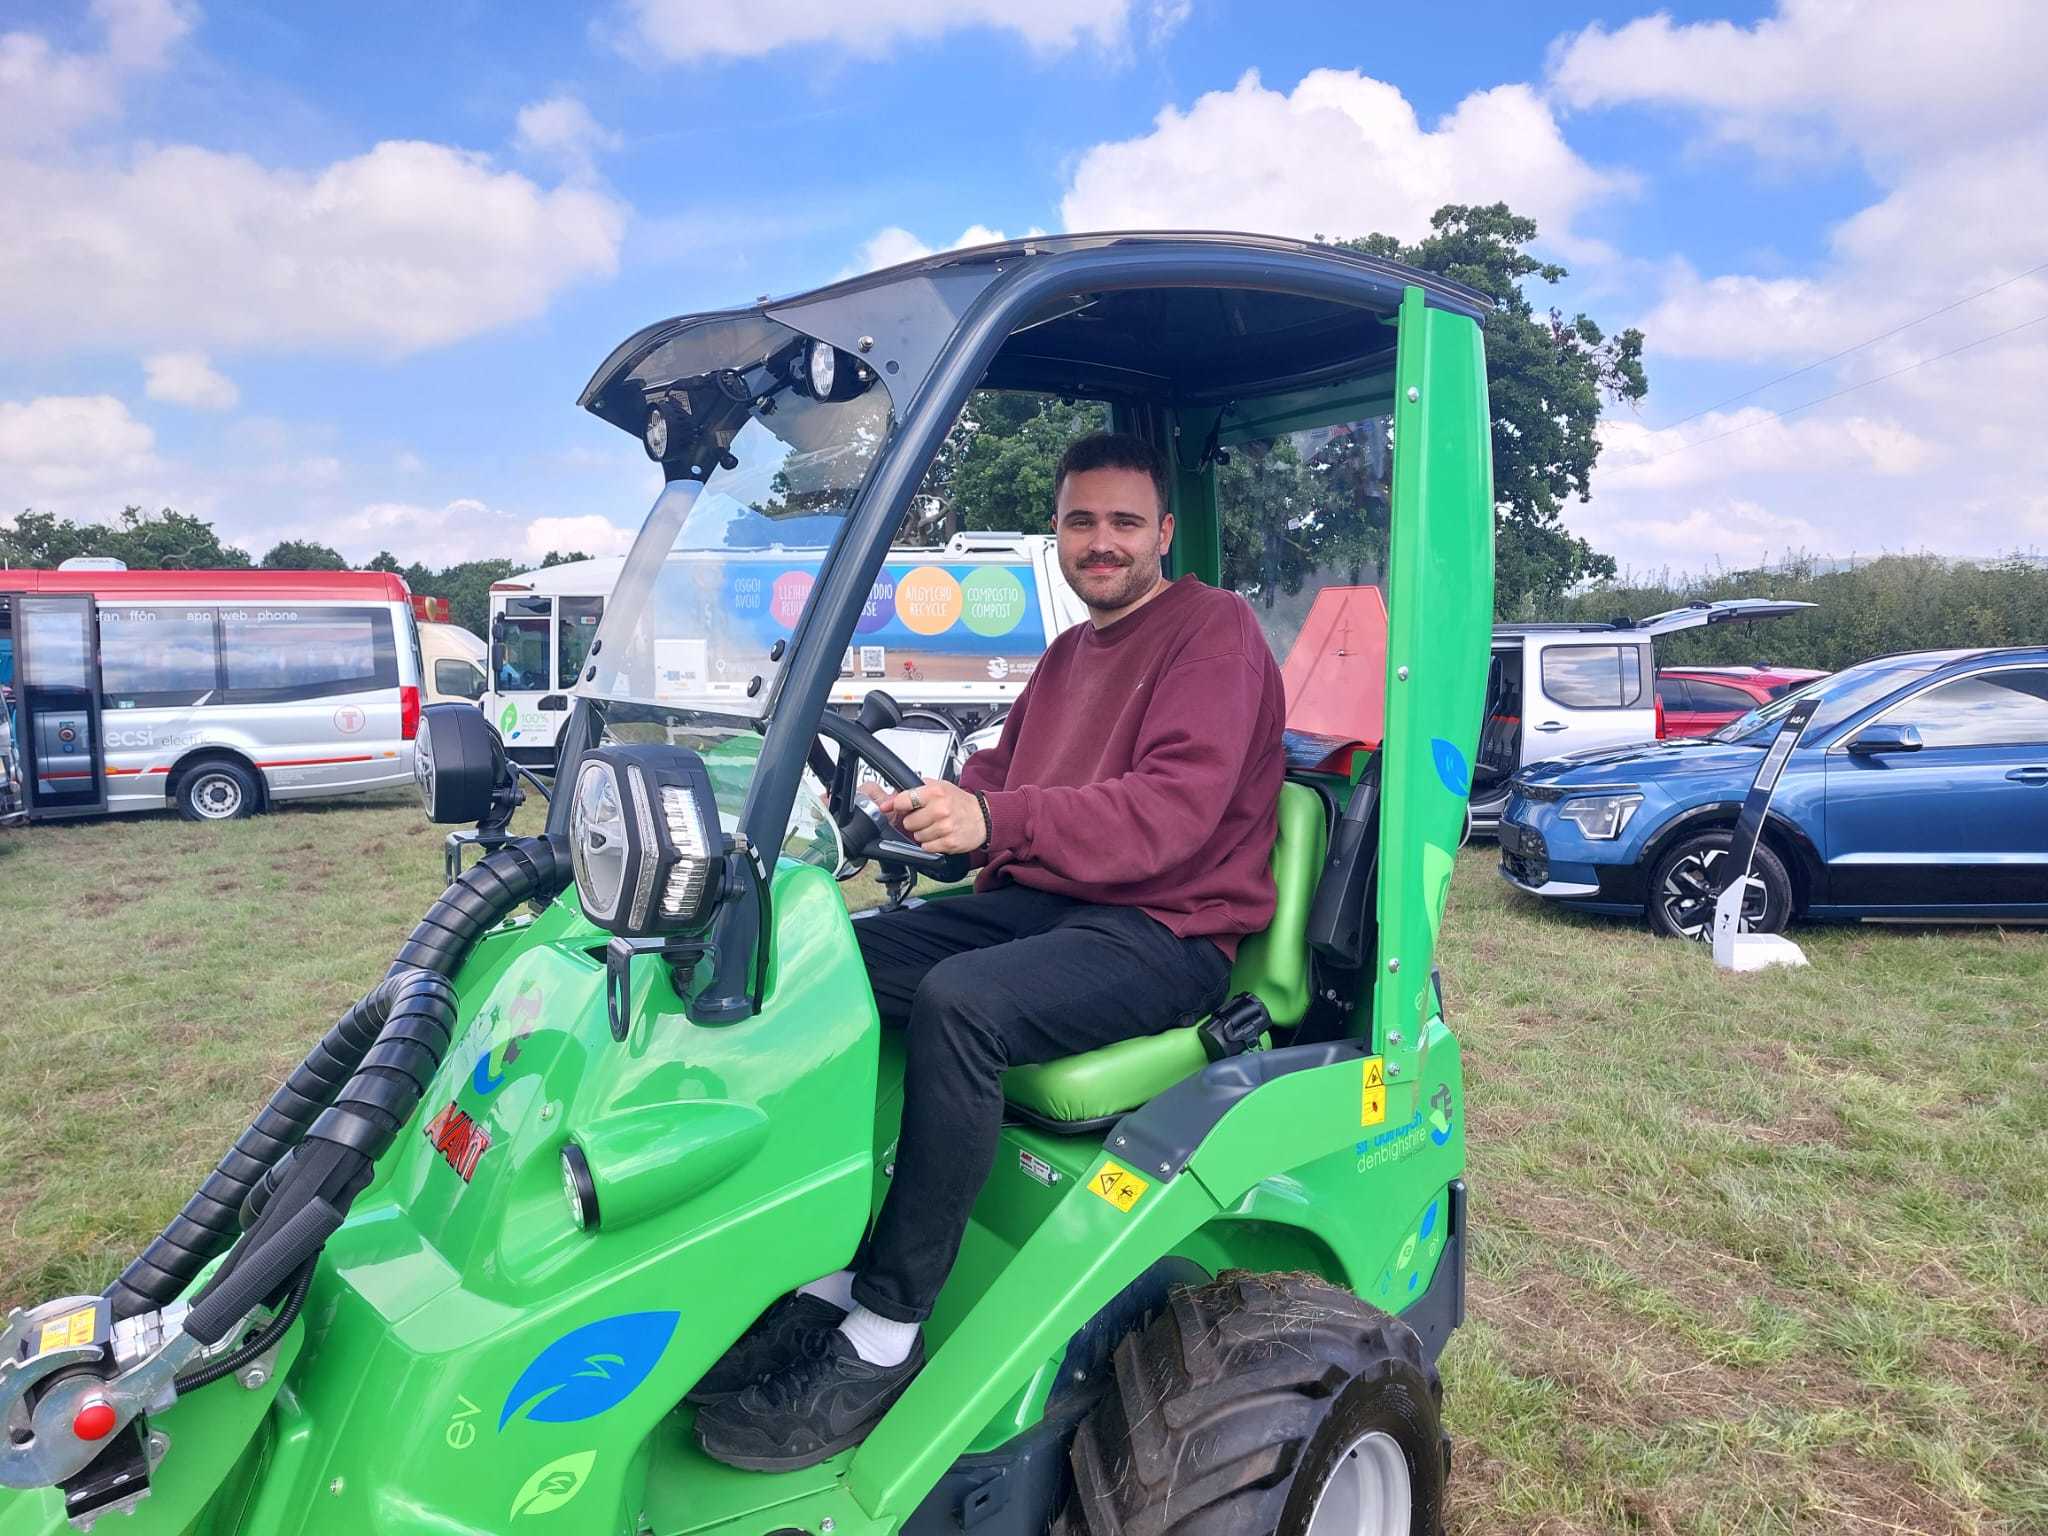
1698 701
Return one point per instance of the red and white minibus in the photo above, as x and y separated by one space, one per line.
217 692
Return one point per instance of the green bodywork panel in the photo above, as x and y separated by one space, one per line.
471 1362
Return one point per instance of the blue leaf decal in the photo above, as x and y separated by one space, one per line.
591 1369
1428 1220
1450 766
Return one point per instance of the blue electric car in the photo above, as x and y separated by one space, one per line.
1918 790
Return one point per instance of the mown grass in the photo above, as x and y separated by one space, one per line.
1751 1254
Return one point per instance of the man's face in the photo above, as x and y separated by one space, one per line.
1113 536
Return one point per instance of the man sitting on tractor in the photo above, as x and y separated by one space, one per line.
1124 824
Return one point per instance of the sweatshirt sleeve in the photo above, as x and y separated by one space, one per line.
1190 756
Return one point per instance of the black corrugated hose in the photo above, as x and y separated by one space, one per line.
351 1094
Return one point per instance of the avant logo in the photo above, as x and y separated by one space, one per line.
590 1369
459 1139
554 1485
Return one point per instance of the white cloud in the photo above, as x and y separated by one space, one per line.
1720 446
187 378
894 245
411 245
467 529
591 533
1341 155
688 31
1880 76
1693 535
561 131
70 444
50 94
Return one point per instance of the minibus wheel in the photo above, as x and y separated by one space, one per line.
217 790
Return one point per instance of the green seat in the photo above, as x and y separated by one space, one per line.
1083 1091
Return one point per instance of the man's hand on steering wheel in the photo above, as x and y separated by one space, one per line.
942 817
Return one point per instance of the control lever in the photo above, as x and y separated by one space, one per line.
1234 1028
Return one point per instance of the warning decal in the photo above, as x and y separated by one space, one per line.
67 1332
1373 1107
1118 1185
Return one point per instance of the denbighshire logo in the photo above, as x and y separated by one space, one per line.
590 1369
1440 1114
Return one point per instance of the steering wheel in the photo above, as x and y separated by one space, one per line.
867 832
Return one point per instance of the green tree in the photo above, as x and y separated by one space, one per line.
302 555
562 557
996 466
1548 379
144 541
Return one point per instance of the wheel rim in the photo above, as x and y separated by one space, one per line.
1689 890
217 797
1369 1491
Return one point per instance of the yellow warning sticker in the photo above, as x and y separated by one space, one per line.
67 1332
1118 1185
1373 1106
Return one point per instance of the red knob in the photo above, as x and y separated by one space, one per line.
95 1421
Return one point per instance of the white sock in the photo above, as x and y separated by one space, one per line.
836 1288
877 1339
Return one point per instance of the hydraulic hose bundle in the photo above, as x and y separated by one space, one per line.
289 1178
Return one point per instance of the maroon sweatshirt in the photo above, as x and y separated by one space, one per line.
1141 767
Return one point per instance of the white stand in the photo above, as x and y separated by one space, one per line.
1735 950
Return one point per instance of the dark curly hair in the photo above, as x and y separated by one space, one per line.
1113 450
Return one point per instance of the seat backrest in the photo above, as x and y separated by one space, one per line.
1274 966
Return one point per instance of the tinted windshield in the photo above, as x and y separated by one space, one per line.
723 569
1842 695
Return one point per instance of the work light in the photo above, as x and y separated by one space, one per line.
666 428
822 369
645 840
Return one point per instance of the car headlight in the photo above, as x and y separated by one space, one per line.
645 840
1601 817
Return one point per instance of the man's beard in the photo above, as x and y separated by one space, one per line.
1138 578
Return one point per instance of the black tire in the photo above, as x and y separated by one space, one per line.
1684 880
218 789
1232 1410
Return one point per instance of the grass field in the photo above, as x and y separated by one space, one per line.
1752 1254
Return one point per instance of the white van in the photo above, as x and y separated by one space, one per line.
951 632
214 692
1556 689
452 662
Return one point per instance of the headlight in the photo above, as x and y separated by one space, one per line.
643 833
822 368
1601 817
455 762
657 436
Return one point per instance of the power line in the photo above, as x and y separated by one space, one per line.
1837 356
1849 390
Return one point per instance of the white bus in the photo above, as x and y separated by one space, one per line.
950 632
216 692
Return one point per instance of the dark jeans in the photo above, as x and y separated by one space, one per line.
984 982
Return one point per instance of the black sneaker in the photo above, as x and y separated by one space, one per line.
808 1411
772 1340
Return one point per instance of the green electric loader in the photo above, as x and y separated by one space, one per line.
625 1084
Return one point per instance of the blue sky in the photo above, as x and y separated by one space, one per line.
340 272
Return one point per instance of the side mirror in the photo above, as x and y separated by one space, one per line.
455 758
1880 740
499 629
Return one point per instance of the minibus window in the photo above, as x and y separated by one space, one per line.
274 655
157 658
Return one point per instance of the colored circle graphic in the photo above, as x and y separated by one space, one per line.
880 607
928 601
786 599
992 600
